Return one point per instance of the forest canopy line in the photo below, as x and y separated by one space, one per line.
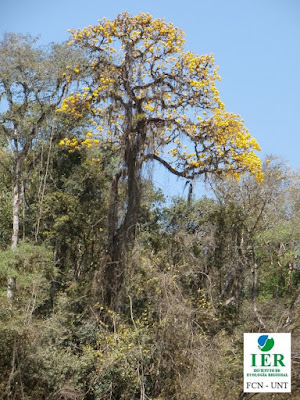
107 292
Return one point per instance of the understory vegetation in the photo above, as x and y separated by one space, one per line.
200 274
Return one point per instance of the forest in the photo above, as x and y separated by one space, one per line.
107 290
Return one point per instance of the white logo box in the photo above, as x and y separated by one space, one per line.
267 362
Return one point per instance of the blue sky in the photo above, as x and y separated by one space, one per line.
256 43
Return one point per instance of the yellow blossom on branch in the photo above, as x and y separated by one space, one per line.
146 93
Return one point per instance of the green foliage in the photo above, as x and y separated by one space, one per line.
200 273
32 268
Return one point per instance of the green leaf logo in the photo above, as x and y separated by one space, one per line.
264 343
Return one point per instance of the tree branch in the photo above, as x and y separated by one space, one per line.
182 174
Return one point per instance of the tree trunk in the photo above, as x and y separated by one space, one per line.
111 261
16 205
120 240
134 201
254 292
17 200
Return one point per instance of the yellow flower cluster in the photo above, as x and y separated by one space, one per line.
142 28
70 105
69 143
139 61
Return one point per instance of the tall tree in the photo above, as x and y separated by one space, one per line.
151 100
31 88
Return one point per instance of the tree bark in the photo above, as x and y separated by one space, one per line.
120 240
17 200
111 261
134 200
254 292
16 205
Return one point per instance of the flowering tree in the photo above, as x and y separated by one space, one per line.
148 99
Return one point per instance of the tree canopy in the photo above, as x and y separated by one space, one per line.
146 96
